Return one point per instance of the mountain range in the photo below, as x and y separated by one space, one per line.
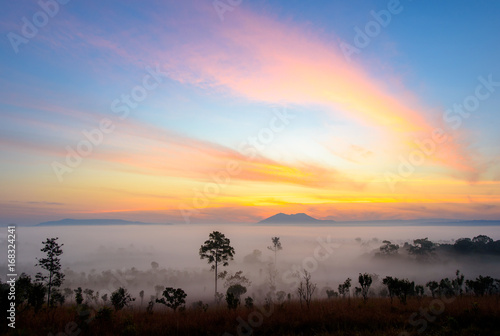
298 218
302 218
69 221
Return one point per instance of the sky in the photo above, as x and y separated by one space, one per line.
230 111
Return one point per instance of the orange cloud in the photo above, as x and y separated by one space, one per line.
172 154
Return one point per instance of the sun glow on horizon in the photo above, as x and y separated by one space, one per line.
236 120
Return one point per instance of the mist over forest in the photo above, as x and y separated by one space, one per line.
154 257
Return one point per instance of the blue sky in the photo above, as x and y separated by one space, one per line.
221 84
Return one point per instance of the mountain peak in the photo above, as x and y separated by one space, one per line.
301 218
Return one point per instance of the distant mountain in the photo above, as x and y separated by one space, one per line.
302 218
422 222
299 218
478 222
69 221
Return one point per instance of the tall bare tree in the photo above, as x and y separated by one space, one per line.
306 289
275 247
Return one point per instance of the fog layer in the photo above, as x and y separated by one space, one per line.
105 257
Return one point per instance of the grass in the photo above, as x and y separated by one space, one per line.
466 315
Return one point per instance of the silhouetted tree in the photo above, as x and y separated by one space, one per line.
56 298
151 303
330 293
141 295
481 286
433 287
217 250
400 288
419 290
236 286
306 289
478 244
422 248
344 289
248 302
458 282
463 245
52 264
237 290
275 247
236 279
482 240
445 287
232 301
173 298
388 249
89 295
78 296
404 289
390 282
28 292
37 296
199 305
365 280
23 288
120 298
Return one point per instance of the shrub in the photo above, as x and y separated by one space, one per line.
248 302
331 293
199 305
232 301
173 298
121 298
104 314
78 296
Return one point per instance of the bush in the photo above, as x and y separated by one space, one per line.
121 298
173 298
249 302
78 296
232 301
331 293
36 296
104 314
199 305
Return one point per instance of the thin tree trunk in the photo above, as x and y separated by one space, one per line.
48 292
216 256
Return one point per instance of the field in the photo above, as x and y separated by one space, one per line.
463 315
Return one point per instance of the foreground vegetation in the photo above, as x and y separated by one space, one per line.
465 315
379 306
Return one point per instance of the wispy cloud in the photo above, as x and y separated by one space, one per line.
263 59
